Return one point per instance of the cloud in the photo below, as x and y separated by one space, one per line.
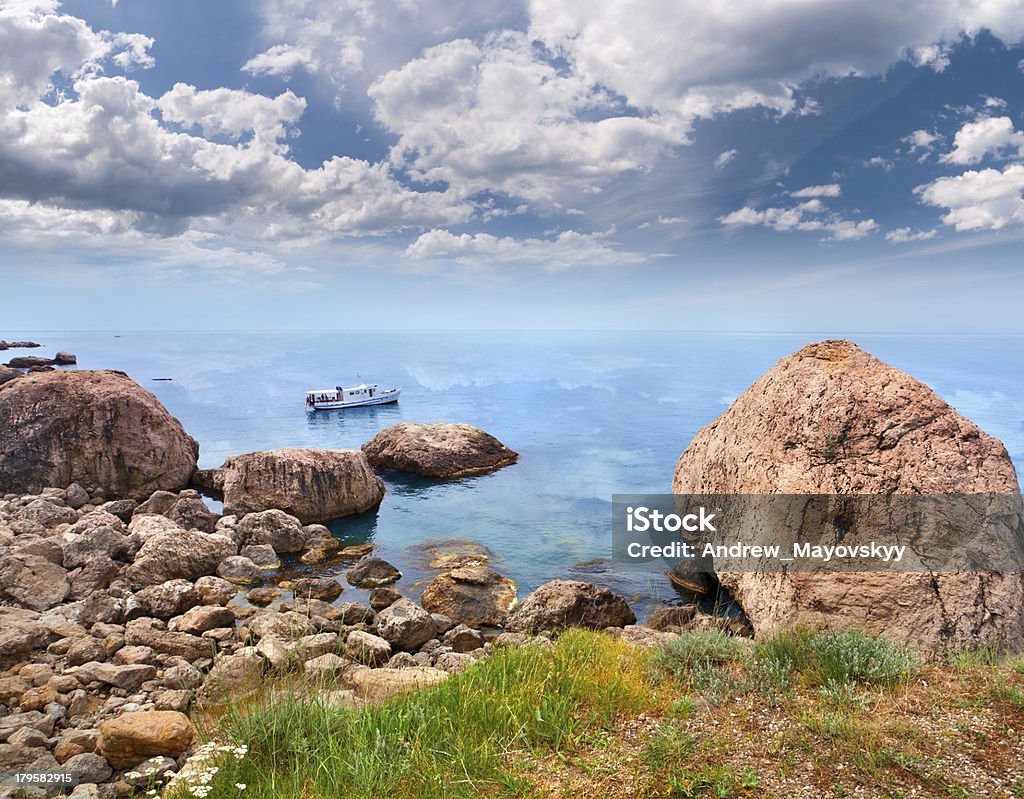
920 140
809 216
500 117
826 190
985 136
903 235
568 248
882 163
725 157
988 199
232 113
283 59
113 157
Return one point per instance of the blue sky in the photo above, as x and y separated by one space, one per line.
770 165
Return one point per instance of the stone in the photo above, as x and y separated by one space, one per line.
215 590
128 677
191 513
66 359
143 632
559 604
263 555
168 599
405 625
832 419
179 699
239 570
158 503
33 582
47 513
273 527
324 588
312 485
277 653
263 595
366 648
201 618
463 639
372 572
98 541
95 428
132 737
182 676
89 767
135 655
353 613
673 619
233 674
453 662
96 575
147 526
186 554
7 373
312 646
641 636
377 685
76 496
380 598
473 595
121 508
326 665
288 626
37 698
85 650
437 450
209 482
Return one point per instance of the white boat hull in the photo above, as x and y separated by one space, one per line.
384 398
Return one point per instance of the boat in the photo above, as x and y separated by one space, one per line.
329 399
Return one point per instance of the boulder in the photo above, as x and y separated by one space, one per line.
215 590
97 428
98 541
372 572
437 450
29 361
325 588
569 603
832 419
7 373
405 625
65 359
32 581
366 648
376 685
132 737
168 599
239 570
473 595
209 482
263 555
144 632
76 496
310 484
280 530
201 618
192 514
462 639
186 554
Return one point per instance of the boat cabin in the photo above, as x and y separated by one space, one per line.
339 394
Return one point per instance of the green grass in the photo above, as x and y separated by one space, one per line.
699 648
453 740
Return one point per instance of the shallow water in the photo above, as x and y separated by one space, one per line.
591 414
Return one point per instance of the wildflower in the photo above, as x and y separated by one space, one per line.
240 786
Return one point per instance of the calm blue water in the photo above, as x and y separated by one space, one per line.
591 414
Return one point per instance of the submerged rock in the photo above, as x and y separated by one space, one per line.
474 595
437 450
372 572
96 428
568 603
832 419
314 485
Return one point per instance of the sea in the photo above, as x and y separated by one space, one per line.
592 414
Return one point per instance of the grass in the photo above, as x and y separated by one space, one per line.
705 715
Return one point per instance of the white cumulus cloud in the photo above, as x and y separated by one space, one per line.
986 136
987 199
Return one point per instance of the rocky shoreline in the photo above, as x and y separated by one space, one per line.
126 603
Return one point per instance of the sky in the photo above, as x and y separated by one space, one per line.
846 165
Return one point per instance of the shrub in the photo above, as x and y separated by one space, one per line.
698 648
853 657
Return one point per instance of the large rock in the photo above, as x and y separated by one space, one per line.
97 428
832 419
32 581
405 625
437 450
377 685
132 737
474 595
314 485
569 603
187 554
275 528
7 373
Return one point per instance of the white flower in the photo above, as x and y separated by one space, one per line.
240 786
